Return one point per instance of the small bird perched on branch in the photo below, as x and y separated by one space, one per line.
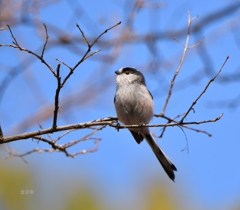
134 106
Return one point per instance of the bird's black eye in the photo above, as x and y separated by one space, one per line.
127 72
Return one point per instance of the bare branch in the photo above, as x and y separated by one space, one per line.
64 134
55 147
83 35
45 44
94 149
84 138
63 63
91 45
99 122
85 56
202 122
15 41
184 125
17 46
96 51
49 136
58 148
56 104
13 153
195 45
204 90
189 47
108 29
180 64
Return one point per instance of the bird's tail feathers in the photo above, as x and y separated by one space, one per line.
166 163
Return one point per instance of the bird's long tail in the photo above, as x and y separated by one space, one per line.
166 163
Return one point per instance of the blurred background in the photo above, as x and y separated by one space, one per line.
121 174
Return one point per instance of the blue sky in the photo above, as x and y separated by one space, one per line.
207 176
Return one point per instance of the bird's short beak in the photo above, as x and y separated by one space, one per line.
117 72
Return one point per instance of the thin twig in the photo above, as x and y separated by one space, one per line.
108 29
180 64
15 154
45 44
84 138
17 46
63 63
94 149
64 134
204 90
85 56
185 126
49 136
91 54
83 35
55 147
195 45
15 41
186 147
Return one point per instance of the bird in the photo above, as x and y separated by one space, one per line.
134 106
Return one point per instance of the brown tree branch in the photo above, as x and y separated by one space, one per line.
86 55
17 46
56 104
185 126
110 121
58 148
